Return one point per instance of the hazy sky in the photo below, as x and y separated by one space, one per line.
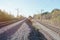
29 7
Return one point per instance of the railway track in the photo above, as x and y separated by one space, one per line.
54 34
51 27
2 24
5 28
22 30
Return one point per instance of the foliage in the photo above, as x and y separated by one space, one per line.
53 16
4 16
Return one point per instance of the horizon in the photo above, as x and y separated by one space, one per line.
28 7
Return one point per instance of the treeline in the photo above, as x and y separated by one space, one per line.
5 16
53 16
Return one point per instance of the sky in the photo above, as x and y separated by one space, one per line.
28 7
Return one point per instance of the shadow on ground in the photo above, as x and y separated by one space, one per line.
35 34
